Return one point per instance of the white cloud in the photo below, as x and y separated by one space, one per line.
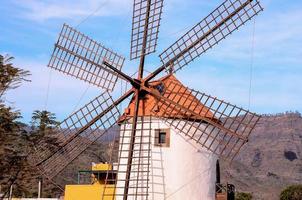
222 72
57 9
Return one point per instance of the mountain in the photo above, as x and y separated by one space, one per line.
271 160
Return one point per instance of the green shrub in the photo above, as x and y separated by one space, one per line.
293 192
243 196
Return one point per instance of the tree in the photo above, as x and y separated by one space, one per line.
10 76
16 138
293 192
12 133
12 146
44 120
43 129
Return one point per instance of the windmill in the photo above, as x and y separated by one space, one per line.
169 133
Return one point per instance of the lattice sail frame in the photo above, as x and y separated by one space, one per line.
70 51
77 55
140 183
140 8
224 129
224 20
72 142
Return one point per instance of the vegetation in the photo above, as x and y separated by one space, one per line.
17 140
243 196
12 145
12 134
42 129
10 76
293 192
16 137
44 120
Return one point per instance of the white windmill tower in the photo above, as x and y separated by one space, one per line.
178 167
170 136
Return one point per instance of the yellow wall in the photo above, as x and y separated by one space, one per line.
101 166
88 192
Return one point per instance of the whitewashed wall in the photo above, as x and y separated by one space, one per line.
179 172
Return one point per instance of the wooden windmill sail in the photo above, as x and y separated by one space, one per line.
225 128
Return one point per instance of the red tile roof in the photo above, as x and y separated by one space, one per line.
175 91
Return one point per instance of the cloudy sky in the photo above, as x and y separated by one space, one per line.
29 29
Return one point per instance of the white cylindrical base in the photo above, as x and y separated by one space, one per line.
184 170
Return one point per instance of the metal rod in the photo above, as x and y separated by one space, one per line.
155 73
131 148
142 58
123 75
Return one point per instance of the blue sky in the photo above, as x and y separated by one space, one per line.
29 29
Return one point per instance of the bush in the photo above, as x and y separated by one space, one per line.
293 192
243 196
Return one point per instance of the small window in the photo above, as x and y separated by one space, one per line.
160 88
162 137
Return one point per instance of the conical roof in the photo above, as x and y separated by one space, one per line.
177 93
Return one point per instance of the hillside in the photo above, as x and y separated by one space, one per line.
271 160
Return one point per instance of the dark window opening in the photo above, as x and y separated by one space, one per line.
217 172
162 137
160 88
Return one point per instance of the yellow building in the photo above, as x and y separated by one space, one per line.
102 185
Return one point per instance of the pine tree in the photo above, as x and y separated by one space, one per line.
12 133
10 76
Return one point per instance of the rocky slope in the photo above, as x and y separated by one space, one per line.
271 160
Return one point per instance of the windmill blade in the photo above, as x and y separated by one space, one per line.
224 20
145 27
76 133
219 126
134 156
79 56
132 141
138 183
